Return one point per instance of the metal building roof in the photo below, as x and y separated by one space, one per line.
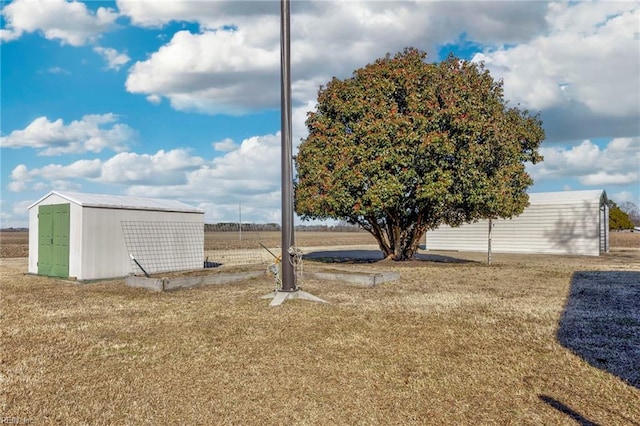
566 197
124 202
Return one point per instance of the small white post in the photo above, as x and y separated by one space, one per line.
489 242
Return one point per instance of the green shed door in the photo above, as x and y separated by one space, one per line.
45 239
53 240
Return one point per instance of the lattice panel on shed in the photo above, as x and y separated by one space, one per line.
164 246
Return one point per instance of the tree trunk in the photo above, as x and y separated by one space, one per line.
413 243
395 243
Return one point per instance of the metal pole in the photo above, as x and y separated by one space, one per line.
287 275
139 265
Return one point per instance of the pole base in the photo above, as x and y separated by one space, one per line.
280 296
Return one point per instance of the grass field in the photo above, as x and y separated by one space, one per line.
539 340
16 244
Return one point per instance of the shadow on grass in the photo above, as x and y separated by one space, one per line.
565 409
601 322
372 256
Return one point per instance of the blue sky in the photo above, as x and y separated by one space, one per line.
180 100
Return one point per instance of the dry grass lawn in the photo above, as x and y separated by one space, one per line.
449 343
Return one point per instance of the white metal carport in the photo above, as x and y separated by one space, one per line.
568 222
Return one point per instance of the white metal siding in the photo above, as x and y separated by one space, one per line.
75 240
569 227
33 241
105 254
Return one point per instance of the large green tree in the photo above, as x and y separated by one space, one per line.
404 146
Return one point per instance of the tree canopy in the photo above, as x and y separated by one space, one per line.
404 146
618 219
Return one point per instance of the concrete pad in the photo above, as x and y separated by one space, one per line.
181 282
167 284
279 297
357 279
229 278
155 284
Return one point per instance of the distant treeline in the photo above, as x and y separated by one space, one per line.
235 227
255 227
342 227
274 227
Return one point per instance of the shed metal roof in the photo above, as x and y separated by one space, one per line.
566 197
123 202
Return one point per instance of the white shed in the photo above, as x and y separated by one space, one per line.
569 222
97 236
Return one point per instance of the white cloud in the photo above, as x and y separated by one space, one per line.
53 175
298 120
610 178
93 133
57 70
69 22
225 145
15 216
126 168
589 57
20 173
159 169
214 72
157 13
260 208
256 162
154 99
21 207
17 186
624 196
210 14
114 59
58 185
617 164
484 21
578 63
9 35
236 72
249 174
86 169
